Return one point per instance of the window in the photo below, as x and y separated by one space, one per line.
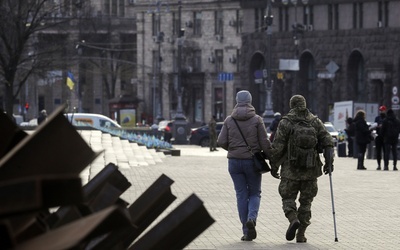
219 103
333 16
357 15
155 24
238 22
197 61
383 14
308 15
114 8
175 24
197 23
219 23
219 60
259 22
237 60
283 18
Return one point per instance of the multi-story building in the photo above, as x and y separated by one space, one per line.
326 50
95 42
209 65
346 50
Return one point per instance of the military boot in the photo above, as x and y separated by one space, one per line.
300 238
294 224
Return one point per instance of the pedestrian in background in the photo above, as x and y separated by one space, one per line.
363 137
300 167
274 125
212 130
390 133
350 132
246 180
379 147
42 117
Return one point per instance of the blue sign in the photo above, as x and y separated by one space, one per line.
222 77
258 74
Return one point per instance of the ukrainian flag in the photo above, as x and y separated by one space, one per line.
70 80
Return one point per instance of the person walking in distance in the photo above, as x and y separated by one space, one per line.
379 147
246 180
363 137
274 125
350 131
296 150
212 130
390 132
42 117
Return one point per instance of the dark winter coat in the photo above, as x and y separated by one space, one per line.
363 133
393 124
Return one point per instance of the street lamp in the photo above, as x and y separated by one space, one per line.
268 111
181 33
180 123
159 38
297 29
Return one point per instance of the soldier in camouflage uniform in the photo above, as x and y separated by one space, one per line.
296 179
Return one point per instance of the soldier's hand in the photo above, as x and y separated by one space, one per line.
326 169
275 174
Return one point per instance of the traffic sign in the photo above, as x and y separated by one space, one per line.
222 77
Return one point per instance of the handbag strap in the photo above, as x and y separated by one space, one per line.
247 145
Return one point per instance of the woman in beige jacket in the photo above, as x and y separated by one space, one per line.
246 180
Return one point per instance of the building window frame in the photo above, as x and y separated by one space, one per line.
197 17
219 22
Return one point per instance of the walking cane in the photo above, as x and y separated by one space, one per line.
333 203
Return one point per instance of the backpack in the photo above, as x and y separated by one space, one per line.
302 147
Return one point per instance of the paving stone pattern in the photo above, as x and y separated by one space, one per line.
366 202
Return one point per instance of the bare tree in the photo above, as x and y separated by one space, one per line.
21 54
112 52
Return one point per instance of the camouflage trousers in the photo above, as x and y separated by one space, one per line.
289 190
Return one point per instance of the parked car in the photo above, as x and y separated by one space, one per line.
18 119
31 123
91 120
200 136
331 129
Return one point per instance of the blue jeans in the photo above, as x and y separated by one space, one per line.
247 183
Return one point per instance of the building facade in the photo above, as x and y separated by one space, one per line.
326 50
94 42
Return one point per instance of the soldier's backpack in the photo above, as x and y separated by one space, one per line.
302 148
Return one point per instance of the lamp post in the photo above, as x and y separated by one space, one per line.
157 79
268 112
297 29
180 123
181 32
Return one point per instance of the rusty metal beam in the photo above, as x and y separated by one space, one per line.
77 234
178 228
54 148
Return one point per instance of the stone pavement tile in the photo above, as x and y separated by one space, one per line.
366 203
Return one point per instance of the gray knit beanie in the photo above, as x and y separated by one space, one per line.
297 101
243 96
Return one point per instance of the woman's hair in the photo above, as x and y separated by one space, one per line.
360 114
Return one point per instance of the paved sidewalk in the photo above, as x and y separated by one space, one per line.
367 203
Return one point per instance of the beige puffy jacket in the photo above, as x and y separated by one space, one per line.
253 129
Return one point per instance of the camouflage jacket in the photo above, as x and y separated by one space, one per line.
281 142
